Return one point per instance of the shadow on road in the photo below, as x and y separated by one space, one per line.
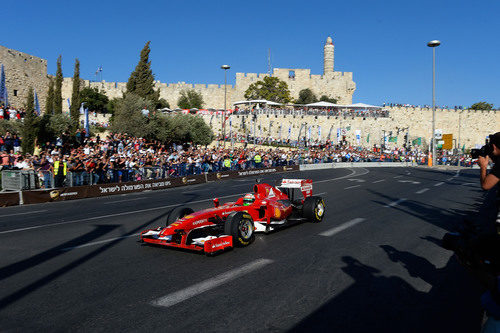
376 303
20 266
23 292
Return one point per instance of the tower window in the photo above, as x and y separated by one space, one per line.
15 92
291 75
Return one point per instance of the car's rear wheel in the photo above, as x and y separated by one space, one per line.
178 213
314 209
240 226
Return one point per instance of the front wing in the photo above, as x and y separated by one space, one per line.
210 244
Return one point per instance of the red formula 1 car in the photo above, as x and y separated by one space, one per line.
235 223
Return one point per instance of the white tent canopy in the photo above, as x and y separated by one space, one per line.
322 104
361 106
255 101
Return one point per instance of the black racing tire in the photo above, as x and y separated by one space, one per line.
314 209
240 226
178 213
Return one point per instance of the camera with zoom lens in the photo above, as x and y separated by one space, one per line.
486 150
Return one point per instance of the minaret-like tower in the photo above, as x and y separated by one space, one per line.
328 56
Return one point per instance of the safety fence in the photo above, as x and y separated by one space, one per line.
68 192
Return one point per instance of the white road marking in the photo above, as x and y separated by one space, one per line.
25 213
395 203
378 181
126 200
449 179
439 184
341 227
457 174
111 215
422 191
398 176
98 242
357 180
347 176
409 181
351 187
199 288
320 193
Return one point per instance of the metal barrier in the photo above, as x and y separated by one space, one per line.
17 180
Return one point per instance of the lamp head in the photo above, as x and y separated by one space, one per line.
434 43
225 67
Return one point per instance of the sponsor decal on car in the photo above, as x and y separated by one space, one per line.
200 222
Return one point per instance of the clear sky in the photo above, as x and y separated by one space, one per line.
382 42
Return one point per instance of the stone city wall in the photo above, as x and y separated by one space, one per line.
24 71
468 127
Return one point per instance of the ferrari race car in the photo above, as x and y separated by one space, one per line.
235 223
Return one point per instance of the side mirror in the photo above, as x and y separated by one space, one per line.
216 202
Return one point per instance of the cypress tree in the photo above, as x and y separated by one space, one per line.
29 130
58 88
141 81
49 103
75 97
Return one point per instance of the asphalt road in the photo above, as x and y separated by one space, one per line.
373 264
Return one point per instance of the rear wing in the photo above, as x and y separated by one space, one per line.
305 185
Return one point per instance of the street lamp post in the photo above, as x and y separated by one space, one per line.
223 128
433 44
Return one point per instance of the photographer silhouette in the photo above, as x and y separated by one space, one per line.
490 151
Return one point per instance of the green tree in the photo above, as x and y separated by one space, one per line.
29 128
306 96
129 119
49 102
59 124
141 80
271 89
162 103
94 100
190 99
325 98
481 106
183 128
75 97
58 88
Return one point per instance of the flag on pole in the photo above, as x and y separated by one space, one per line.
87 127
37 105
289 131
368 138
82 110
319 133
3 88
69 104
309 134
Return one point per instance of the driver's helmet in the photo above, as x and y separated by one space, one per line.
248 199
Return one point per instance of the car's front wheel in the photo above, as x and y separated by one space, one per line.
314 209
240 226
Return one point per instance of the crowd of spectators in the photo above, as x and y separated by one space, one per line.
11 113
76 160
333 112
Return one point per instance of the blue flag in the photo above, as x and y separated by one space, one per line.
3 88
37 105
82 110
69 104
87 127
